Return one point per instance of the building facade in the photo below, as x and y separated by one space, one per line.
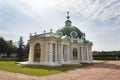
66 46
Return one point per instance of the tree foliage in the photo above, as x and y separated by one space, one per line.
21 53
3 45
7 47
106 54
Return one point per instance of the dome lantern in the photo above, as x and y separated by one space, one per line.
69 29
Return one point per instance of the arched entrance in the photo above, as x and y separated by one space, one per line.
37 52
75 53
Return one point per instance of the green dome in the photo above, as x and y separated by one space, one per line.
68 29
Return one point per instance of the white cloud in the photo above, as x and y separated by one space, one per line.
96 9
3 32
103 10
117 21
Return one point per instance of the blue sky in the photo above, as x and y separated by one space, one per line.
99 19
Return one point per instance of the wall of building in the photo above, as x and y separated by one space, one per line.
57 50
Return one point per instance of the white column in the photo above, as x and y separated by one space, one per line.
72 39
61 52
78 39
47 53
82 54
91 55
68 52
87 54
78 54
56 53
30 59
50 54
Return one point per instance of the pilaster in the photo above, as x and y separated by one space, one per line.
91 54
82 50
78 54
61 52
50 54
56 53
68 53
87 53
31 53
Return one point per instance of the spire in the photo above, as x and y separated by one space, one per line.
68 15
68 22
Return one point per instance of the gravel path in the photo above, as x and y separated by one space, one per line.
102 71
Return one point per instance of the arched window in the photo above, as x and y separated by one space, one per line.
37 52
75 54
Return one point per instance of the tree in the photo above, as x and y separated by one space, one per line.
27 49
7 47
21 52
111 55
3 45
11 49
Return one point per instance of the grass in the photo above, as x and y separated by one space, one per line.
104 60
37 71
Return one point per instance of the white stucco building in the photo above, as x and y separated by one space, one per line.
66 46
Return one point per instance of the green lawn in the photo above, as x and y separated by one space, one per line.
104 60
38 71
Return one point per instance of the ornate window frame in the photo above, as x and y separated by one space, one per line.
73 34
